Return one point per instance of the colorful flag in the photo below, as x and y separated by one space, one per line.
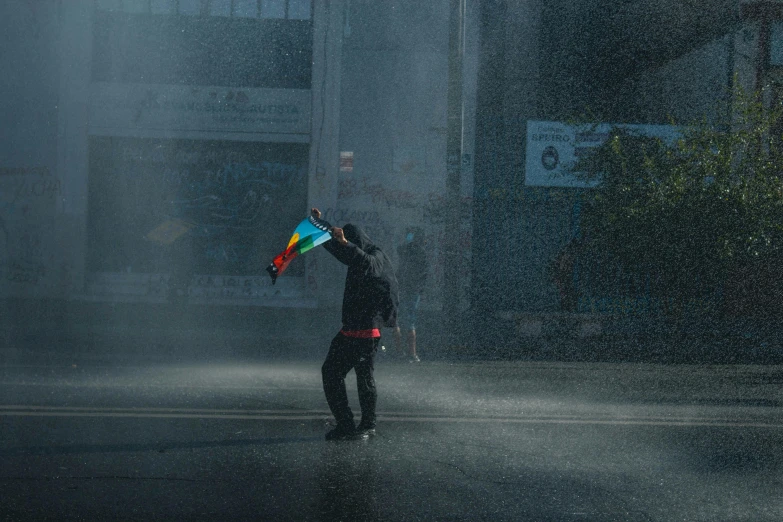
310 233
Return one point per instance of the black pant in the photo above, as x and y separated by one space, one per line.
345 354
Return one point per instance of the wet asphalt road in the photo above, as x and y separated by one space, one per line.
114 439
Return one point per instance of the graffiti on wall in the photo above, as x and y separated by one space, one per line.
355 187
231 194
28 202
232 287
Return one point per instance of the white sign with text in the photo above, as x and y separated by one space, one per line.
553 148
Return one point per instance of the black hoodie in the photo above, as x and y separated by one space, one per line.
371 297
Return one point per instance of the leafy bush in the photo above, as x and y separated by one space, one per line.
686 214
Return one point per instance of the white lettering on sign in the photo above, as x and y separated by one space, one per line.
553 148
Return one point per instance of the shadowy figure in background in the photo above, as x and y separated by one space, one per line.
370 302
562 275
180 259
412 277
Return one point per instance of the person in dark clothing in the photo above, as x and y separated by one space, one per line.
562 274
412 276
370 302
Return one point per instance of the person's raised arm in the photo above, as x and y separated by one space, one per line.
335 246
345 251
352 255
339 235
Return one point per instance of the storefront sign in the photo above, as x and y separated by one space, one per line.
171 107
553 148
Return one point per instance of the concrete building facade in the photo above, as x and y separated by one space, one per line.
646 63
217 124
228 116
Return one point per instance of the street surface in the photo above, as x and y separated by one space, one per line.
104 438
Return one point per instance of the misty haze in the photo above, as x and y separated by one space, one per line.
355 260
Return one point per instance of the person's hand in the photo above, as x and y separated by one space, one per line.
315 213
339 236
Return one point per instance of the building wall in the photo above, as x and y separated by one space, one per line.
64 124
393 80
688 89
393 119
516 228
225 153
599 62
99 156
33 233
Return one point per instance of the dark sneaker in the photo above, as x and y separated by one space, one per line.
342 433
365 433
415 359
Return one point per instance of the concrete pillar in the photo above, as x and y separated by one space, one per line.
76 20
328 19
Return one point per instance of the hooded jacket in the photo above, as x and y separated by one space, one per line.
371 297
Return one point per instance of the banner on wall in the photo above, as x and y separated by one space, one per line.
553 147
120 106
30 232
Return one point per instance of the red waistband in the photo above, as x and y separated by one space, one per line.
362 334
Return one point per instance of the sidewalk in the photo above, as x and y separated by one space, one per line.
162 331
